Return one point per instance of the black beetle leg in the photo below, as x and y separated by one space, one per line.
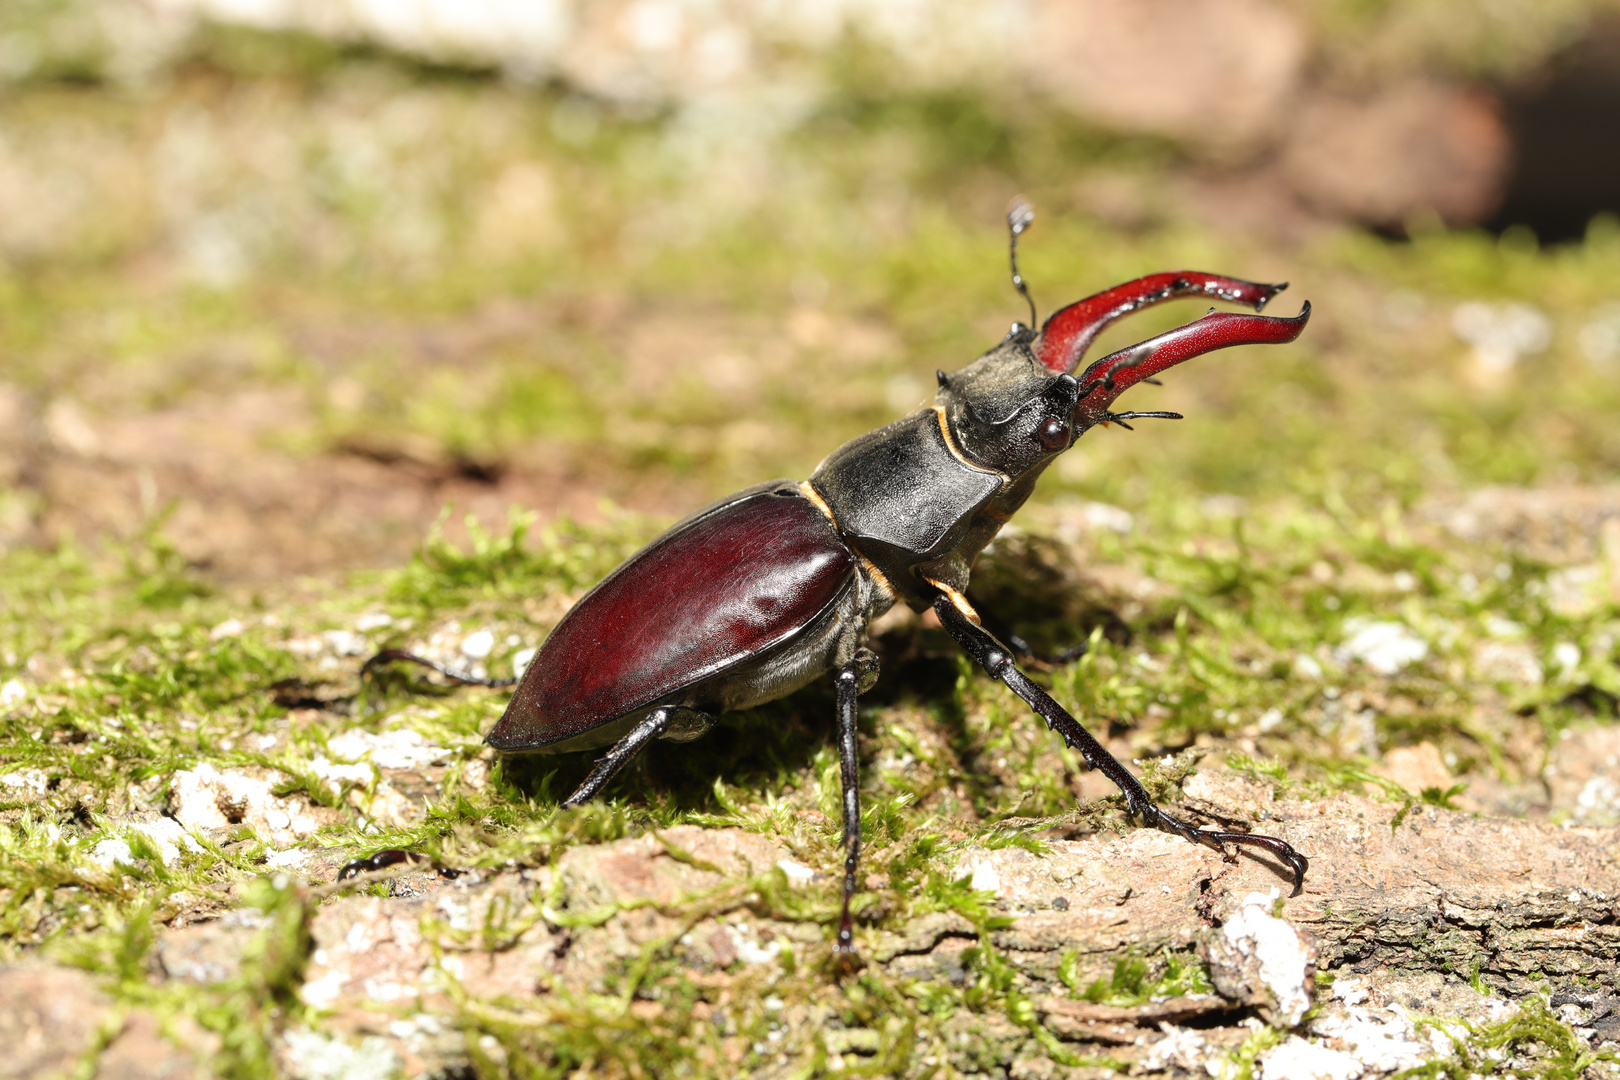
857 675
389 656
962 621
380 861
1021 648
631 745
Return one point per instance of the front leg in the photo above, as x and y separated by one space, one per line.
958 617
1022 649
857 675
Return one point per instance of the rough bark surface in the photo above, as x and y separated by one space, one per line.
1519 904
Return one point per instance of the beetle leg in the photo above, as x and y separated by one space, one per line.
958 617
389 656
379 861
632 744
1022 649
857 675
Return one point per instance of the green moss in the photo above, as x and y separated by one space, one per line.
1532 1042
1136 981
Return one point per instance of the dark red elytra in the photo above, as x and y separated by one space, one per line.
722 588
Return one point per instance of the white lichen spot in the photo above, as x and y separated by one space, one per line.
520 661
13 694
345 643
1505 629
1223 506
228 629
1500 334
1349 990
206 798
478 645
1386 1044
168 836
1098 516
358 940
399 748
321 991
1383 1040
1507 662
33 780
1298 1059
376 620
388 990
313 1056
291 859
111 852
752 951
985 878
1576 592
1181 1048
1598 802
797 873
305 646
339 776
1567 655
1599 337
1386 647
455 911
1306 666
1284 960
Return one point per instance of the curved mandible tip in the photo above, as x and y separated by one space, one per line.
1106 379
1069 332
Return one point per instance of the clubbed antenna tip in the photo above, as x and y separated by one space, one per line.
1020 216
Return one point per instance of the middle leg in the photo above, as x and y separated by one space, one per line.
857 675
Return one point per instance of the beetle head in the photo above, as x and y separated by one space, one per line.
1006 410
1011 412
1017 406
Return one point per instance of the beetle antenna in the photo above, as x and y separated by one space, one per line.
1120 417
1020 215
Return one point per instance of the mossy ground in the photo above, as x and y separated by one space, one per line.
707 313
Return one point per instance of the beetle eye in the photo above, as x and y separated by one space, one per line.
1054 434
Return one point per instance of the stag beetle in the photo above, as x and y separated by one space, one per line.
756 595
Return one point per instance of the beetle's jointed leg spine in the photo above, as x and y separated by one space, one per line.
623 751
852 678
389 656
959 618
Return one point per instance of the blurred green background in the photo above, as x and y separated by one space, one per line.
294 286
